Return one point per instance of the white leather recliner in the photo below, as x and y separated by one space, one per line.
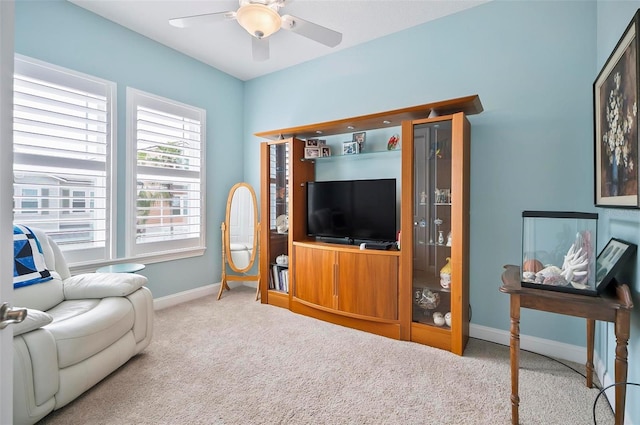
78 330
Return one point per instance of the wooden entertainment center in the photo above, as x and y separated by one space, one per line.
398 293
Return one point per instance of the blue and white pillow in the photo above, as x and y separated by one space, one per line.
28 261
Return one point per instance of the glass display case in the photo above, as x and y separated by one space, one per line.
559 251
282 184
432 224
435 230
278 216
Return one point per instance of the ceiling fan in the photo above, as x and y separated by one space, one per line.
260 18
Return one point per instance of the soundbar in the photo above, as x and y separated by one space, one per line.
378 245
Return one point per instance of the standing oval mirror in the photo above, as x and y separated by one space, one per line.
239 234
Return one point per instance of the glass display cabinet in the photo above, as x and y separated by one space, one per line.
281 166
436 232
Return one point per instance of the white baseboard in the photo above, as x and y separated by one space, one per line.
192 294
558 350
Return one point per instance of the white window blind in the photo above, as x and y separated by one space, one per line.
62 142
166 149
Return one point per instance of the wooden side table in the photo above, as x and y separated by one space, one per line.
611 307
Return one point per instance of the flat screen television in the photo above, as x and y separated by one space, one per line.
352 211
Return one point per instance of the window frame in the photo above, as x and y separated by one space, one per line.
54 74
170 250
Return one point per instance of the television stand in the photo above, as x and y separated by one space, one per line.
346 285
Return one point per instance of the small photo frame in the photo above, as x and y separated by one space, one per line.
350 148
360 138
325 150
611 260
312 152
312 143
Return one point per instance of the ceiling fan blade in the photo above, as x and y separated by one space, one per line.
260 48
310 30
207 18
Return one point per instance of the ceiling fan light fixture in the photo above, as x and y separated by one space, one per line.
259 20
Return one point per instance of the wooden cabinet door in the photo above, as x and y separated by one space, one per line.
368 285
314 276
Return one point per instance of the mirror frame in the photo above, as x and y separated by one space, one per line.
227 239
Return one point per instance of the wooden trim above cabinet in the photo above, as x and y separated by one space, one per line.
470 105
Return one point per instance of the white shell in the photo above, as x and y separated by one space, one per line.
438 319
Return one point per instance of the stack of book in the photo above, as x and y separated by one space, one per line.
279 278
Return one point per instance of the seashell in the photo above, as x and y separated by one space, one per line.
556 280
438 319
528 276
549 271
428 299
532 266
579 285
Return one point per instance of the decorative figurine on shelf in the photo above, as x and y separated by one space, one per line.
440 237
393 142
447 319
445 274
428 300
449 239
438 319
423 198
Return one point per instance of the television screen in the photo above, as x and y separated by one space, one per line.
356 210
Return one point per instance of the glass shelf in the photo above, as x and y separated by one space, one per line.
354 156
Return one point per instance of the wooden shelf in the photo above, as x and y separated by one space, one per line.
470 105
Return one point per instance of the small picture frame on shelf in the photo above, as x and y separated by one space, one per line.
325 151
350 148
312 152
360 138
314 143
610 260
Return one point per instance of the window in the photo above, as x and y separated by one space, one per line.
165 150
63 125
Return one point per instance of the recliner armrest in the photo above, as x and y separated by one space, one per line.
102 285
35 319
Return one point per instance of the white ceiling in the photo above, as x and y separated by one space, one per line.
227 46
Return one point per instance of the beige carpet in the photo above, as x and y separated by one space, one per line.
236 361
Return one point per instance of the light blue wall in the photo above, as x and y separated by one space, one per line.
613 18
61 33
531 63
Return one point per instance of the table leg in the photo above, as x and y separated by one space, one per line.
515 357
622 324
591 327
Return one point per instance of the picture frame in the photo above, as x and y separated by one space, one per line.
314 143
312 152
616 91
611 260
350 148
325 151
360 138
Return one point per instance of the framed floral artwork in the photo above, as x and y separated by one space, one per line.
615 101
